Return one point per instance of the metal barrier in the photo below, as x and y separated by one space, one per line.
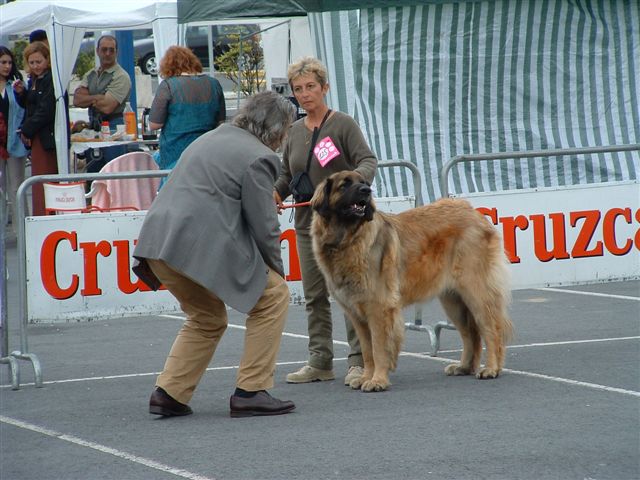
444 188
481 157
415 173
5 358
433 331
23 353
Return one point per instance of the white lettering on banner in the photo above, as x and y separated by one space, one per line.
79 265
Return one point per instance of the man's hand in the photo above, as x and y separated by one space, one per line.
104 103
81 98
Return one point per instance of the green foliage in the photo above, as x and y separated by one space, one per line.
251 80
18 52
85 62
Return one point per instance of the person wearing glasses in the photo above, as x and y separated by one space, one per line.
104 90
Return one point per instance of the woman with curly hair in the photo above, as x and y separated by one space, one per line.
187 104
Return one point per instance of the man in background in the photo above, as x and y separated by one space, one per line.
106 89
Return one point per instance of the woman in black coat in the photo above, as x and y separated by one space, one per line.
37 130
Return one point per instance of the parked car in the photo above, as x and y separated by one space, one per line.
196 39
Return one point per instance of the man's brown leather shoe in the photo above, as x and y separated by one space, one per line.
260 404
161 403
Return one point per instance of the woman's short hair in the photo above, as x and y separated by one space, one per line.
14 74
307 66
178 60
267 115
35 47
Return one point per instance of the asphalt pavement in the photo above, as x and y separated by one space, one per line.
566 407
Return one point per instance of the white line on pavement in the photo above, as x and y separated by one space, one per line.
592 294
594 386
568 381
104 449
547 344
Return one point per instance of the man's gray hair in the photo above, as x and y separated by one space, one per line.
267 115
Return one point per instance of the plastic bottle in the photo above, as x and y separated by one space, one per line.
130 121
105 132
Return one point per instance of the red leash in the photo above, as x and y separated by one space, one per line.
296 205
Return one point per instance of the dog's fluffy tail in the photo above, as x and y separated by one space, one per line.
499 284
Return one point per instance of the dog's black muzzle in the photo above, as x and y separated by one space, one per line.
357 200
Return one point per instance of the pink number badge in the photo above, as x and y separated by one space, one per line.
325 151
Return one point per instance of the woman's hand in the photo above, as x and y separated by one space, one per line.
26 141
278 200
18 87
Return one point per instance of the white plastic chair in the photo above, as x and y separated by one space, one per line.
60 198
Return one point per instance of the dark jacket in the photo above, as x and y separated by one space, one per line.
40 111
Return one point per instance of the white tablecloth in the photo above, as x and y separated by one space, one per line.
79 147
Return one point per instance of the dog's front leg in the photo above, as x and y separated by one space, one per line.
364 335
382 361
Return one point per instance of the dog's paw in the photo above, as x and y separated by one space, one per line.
356 383
456 369
375 385
487 373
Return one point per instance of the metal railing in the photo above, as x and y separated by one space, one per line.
5 358
415 174
483 157
23 353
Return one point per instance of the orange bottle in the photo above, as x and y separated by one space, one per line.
130 126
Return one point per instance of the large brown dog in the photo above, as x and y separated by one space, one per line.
376 264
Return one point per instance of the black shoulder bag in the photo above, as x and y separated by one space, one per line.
301 186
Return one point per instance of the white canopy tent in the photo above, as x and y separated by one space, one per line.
66 21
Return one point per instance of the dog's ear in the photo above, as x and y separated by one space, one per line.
320 200
369 210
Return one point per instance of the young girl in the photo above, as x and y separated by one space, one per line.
12 151
37 130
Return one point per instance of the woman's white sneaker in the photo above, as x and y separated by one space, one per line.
353 373
310 374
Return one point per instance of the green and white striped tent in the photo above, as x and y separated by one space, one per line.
429 80
432 81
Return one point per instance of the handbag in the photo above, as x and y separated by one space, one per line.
301 186
143 271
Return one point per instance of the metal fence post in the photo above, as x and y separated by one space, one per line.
5 358
23 353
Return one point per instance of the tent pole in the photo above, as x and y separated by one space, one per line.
240 62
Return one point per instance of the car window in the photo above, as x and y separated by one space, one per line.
196 31
143 33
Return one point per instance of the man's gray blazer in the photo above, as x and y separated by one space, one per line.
215 219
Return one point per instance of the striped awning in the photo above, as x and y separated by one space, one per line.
429 82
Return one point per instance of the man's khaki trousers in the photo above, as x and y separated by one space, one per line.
206 321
